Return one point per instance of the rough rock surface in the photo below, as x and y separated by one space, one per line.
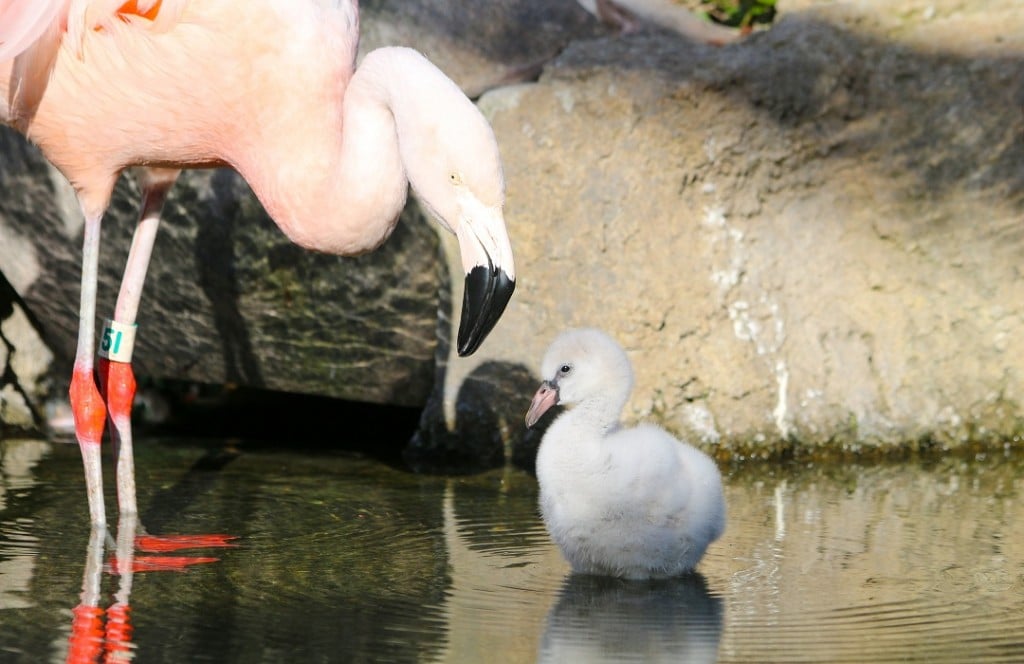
228 298
808 240
483 44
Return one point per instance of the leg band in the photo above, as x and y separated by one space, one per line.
117 340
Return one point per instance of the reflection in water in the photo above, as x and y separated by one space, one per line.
19 546
894 562
503 567
87 639
612 620
98 629
107 632
345 559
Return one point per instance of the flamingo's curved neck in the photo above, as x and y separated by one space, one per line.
339 185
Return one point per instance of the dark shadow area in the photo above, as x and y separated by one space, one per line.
228 298
9 301
256 418
214 259
489 429
169 502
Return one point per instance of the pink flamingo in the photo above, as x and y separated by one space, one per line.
269 88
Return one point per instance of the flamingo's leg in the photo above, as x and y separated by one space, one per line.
86 402
115 364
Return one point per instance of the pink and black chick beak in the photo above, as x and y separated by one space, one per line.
545 398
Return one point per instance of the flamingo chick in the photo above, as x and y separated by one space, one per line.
633 503
269 88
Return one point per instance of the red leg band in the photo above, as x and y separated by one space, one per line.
118 381
87 406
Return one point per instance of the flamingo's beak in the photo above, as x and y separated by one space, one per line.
490 275
488 290
543 400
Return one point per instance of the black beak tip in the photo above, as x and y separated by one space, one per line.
487 292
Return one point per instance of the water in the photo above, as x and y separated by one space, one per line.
341 558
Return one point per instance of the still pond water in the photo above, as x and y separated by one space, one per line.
342 558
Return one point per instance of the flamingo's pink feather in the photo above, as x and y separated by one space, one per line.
31 32
23 22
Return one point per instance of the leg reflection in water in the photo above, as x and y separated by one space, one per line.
99 634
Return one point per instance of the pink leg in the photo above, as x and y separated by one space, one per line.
86 403
116 376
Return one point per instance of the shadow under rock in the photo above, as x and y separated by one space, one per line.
489 429
266 418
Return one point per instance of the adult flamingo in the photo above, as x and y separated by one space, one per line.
269 88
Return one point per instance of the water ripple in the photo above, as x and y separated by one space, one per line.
343 559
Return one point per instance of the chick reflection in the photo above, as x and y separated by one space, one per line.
601 619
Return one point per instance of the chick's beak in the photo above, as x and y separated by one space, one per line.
543 400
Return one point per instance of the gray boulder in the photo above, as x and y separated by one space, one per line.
808 241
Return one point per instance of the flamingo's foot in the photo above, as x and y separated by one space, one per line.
161 563
165 543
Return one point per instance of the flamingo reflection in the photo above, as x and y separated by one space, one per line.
101 634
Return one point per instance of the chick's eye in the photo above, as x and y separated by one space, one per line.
456 178
564 369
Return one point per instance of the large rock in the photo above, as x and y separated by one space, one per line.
228 298
481 44
809 240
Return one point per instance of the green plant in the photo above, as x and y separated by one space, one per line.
740 13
